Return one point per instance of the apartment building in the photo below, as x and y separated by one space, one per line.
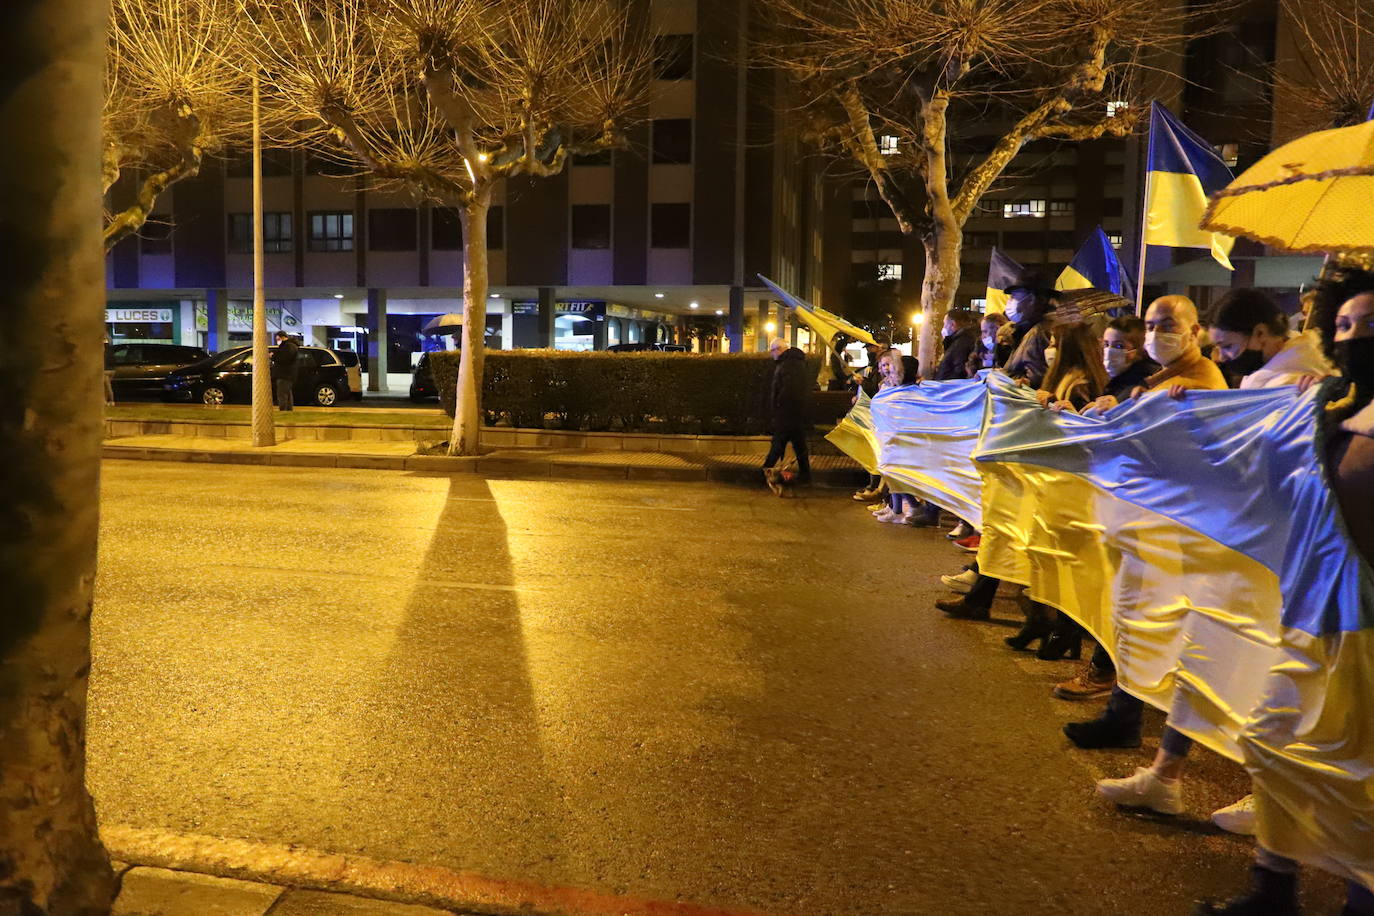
658 242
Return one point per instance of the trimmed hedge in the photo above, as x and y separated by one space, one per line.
717 394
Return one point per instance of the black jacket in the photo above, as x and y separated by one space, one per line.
1028 359
285 359
787 395
958 348
1134 375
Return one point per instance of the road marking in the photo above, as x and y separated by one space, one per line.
431 885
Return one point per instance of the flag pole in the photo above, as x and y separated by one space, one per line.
1140 267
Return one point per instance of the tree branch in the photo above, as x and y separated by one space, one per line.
864 148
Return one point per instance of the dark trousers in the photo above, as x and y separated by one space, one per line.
797 437
1124 712
982 592
285 398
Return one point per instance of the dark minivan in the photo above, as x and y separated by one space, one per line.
140 369
322 378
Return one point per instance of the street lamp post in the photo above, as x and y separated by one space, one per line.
263 432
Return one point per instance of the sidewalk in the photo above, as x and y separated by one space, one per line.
162 892
828 470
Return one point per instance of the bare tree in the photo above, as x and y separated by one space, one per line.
1331 82
51 861
174 93
451 97
929 72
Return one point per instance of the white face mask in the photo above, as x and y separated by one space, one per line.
1115 361
1164 348
1051 354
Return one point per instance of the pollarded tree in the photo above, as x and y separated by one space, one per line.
173 95
927 72
1332 81
449 98
51 861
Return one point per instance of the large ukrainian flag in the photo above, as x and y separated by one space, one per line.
1182 171
1201 544
1002 272
825 324
1096 266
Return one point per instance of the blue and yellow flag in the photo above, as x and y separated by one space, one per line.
1096 266
1002 272
825 324
1183 169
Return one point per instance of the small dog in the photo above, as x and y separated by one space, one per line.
782 480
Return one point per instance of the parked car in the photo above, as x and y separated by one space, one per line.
422 387
646 348
322 378
140 369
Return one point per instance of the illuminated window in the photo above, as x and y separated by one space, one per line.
1018 208
1229 153
887 144
889 271
978 305
1113 108
1115 239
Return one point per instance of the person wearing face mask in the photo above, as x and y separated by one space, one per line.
959 338
1171 339
1252 339
990 349
1028 305
1349 460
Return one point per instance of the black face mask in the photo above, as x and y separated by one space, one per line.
949 339
1248 361
1355 358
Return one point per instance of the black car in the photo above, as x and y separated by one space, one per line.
322 378
422 386
140 369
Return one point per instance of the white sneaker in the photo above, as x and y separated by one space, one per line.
885 514
1144 790
901 518
962 582
960 531
1237 817
879 507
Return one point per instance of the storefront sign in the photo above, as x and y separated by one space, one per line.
138 316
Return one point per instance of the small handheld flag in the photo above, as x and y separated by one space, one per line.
1002 272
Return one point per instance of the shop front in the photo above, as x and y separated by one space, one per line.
143 322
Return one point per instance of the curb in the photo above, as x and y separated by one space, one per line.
503 467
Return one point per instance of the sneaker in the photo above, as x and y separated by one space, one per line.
960 531
1090 684
898 518
1237 817
962 582
878 507
1144 790
1096 734
885 514
970 543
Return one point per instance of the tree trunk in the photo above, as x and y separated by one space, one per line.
51 861
938 290
467 419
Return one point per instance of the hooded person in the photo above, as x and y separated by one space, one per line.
1029 302
787 403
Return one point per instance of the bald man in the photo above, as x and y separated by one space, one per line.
1171 339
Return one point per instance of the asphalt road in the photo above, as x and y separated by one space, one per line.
679 692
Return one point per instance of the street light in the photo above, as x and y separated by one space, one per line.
770 327
694 305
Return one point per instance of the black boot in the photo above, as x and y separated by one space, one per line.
1272 893
1066 641
961 609
1039 625
1096 734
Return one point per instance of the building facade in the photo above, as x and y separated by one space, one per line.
659 242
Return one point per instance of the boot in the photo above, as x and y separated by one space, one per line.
1039 625
1065 641
1272 893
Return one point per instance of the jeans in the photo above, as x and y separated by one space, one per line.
900 501
284 394
779 447
1124 711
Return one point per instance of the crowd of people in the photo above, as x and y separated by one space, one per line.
1091 366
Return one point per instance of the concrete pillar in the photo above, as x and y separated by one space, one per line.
734 322
376 341
507 325
217 319
793 326
547 314
599 331
761 335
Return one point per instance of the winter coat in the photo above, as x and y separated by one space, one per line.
959 347
1132 377
1028 359
1301 355
788 392
285 359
